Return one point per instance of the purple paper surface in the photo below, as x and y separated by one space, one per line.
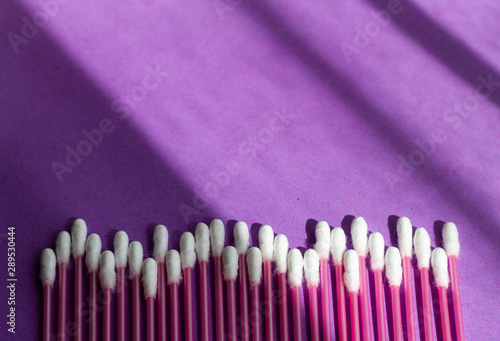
269 112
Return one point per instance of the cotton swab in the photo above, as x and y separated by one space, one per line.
63 246
311 271
47 275
452 247
337 248
160 238
173 264
422 244
352 284
230 269
405 232
217 235
266 238
254 262
150 283
92 253
394 274
359 232
376 246
322 247
135 258
121 250
242 242
295 277
280 257
202 239
78 239
439 262
188 259
107 276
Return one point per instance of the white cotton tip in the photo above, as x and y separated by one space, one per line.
322 245
439 262
266 238
63 247
173 264
393 268
188 255
93 249
337 245
280 252
202 237
230 262
160 239
150 277
405 233
359 233
107 273
254 262
295 268
135 257
450 239
351 272
48 267
120 245
78 237
217 236
241 237
422 243
376 245
311 267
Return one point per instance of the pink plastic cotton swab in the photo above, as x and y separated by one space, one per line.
92 253
135 258
452 247
121 250
359 232
311 271
173 264
266 238
63 246
241 242
295 277
337 248
217 235
352 283
150 283
254 262
376 246
230 268
78 239
422 243
280 256
202 237
394 274
47 275
188 259
439 261
107 276
160 238
322 247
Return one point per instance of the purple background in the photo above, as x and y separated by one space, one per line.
226 76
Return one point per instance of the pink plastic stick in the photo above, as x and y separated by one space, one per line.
93 306
136 308
457 304
162 302
63 294
106 314
174 312
219 299
268 300
150 319
47 311
232 333
365 304
188 304
244 318
205 327
283 306
396 313
325 299
255 301
78 298
353 298
313 312
445 315
426 303
408 288
341 306
297 311
379 302
120 298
